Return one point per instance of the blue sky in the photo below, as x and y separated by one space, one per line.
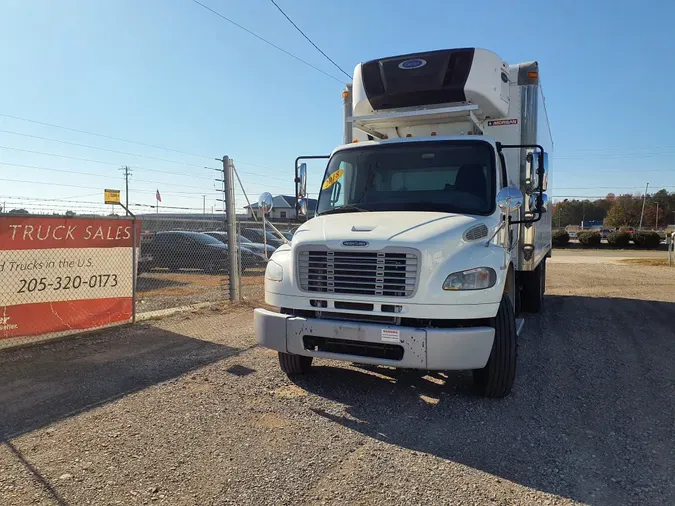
169 73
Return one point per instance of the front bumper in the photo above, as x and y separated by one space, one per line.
422 348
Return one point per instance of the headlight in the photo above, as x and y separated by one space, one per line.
479 278
274 271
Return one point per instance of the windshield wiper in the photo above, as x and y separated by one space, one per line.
347 208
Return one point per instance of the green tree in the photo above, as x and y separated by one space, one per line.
625 212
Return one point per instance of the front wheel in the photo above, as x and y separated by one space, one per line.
294 364
496 378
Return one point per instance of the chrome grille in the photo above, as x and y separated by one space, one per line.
386 273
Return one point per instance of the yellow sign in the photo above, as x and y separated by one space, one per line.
332 179
111 196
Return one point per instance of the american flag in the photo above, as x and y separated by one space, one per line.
158 196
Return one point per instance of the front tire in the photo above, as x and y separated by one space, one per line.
294 364
496 378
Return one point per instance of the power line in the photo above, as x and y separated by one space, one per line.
310 40
137 167
38 199
101 162
266 41
87 132
101 149
91 174
104 136
91 187
611 187
611 156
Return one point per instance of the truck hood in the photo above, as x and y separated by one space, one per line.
379 229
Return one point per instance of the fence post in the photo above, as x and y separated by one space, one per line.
134 270
239 256
231 228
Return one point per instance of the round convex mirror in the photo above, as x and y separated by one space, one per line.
265 202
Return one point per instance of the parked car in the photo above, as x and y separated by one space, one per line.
186 250
288 235
246 243
145 261
252 254
254 246
256 235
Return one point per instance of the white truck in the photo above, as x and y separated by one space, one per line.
431 231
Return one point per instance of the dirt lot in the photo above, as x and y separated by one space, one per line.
187 410
159 290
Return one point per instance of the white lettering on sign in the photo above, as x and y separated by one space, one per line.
502 122
391 335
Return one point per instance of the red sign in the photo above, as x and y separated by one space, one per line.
59 274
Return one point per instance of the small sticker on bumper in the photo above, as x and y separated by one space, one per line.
391 335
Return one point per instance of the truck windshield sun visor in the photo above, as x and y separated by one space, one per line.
440 176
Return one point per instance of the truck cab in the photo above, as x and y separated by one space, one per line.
431 229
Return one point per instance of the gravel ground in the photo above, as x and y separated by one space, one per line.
187 410
159 290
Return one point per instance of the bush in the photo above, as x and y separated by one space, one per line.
647 240
590 239
560 238
619 239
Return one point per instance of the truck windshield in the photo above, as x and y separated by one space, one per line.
450 176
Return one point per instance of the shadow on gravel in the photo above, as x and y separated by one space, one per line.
590 416
42 384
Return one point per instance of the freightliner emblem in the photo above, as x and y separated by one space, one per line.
355 243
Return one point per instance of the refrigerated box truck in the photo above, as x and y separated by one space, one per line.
432 227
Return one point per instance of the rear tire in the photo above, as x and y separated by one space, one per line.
294 364
534 285
496 378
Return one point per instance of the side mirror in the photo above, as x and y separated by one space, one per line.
302 207
301 180
265 202
534 180
533 203
509 199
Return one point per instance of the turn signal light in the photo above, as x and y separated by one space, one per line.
533 75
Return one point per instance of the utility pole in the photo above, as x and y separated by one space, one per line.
657 216
127 174
644 201
230 226
204 204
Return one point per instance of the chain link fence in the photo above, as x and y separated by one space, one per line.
62 275
182 262
185 261
256 247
